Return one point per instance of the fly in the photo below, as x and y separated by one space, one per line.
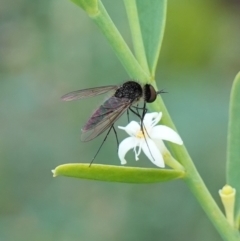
125 96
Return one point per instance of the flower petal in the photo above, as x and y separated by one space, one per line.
152 152
166 133
161 146
132 128
151 119
124 147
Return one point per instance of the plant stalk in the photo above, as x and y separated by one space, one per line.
106 25
132 12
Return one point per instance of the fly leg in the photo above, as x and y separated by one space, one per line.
143 128
144 109
112 127
128 115
116 136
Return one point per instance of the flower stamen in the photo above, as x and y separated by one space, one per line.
140 135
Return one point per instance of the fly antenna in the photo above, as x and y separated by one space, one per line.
161 92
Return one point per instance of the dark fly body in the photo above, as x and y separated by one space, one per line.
125 97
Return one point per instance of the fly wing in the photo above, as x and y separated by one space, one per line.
104 117
85 93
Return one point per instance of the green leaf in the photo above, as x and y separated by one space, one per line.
116 41
233 151
152 18
117 173
90 6
139 50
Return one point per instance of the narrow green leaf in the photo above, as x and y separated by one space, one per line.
152 17
132 12
116 41
117 173
90 6
233 151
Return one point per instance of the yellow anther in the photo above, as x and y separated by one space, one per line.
140 134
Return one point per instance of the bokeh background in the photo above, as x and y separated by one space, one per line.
51 47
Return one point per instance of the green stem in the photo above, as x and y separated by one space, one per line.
196 184
106 25
171 162
132 12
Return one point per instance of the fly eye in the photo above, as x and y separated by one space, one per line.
150 94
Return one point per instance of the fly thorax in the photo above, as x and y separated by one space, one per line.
130 90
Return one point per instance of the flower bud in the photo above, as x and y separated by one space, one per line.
228 194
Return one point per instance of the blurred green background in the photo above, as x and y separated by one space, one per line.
49 48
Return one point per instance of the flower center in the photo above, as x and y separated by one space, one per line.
140 134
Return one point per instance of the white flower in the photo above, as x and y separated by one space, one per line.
150 142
